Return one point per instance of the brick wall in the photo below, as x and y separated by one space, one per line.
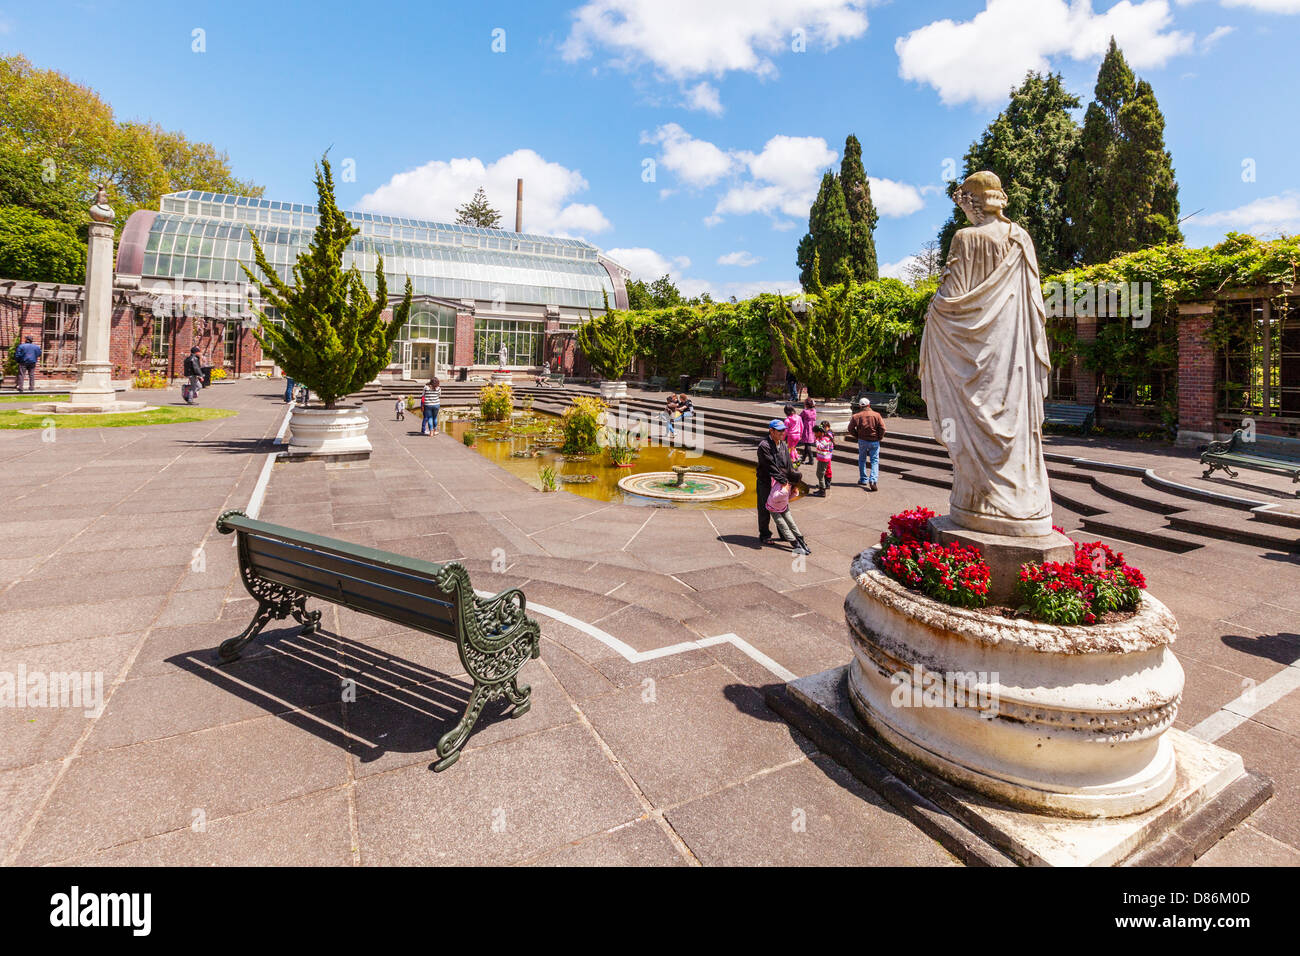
464 340
1196 374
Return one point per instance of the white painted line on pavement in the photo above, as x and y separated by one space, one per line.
632 655
1236 712
259 490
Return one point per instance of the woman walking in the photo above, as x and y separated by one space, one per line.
430 403
806 439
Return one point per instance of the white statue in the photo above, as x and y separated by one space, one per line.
984 369
101 211
502 356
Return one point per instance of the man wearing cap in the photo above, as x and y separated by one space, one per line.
773 466
193 369
868 428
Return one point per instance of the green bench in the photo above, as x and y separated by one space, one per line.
555 378
1067 413
282 567
1268 453
656 383
884 402
707 386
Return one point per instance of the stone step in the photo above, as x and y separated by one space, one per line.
936 477
1142 527
1130 490
1232 525
1081 498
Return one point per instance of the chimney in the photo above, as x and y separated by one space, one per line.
519 205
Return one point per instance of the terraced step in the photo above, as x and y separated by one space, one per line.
1131 490
936 477
1142 527
1233 525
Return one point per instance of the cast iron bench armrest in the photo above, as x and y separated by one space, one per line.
282 567
884 402
1221 455
712 386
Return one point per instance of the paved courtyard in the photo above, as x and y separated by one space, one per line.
648 741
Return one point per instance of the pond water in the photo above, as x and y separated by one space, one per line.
529 435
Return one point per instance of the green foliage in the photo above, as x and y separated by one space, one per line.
334 339
824 348
496 402
1029 146
581 423
608 342
469 438
39 249
1122 195
862 212
829 236
478 212
546 474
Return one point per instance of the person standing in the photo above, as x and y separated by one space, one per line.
193 370
669 413
824 449
430 405
793 431
27 355
792 386
773 467
288 390
778 503
399 408
868 428
809 416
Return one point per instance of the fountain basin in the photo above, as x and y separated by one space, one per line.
1067 721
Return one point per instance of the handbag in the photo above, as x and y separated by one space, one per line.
778 499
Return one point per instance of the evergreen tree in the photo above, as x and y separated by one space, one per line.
608 342
862 212
1029 146
478 212
829 236
1122 192
334 339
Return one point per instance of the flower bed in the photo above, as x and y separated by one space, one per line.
1098 584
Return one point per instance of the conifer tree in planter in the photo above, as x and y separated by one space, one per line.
610 345
825 349
334 339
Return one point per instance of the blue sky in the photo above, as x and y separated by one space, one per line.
680 135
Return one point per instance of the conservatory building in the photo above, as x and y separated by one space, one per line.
475 289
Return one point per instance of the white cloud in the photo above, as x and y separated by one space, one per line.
1272 214
1214 36
981 59
1266 6
738 258
648 265
894 199
696 162
897 270
704 96
434 190
785 177
685 39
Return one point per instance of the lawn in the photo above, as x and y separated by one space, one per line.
158 416
35 397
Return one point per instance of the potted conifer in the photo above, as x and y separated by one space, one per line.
334 339
610 345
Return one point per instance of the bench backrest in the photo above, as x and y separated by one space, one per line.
1066 412
557 377
390 586
708 384
1268 446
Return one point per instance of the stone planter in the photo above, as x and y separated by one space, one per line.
1068 721
835 414
613 391
329 431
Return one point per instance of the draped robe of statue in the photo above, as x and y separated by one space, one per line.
984 372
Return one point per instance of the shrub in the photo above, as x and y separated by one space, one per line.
581 425
608 342
218 374
469 438
547 474
952 574
496 402
1079 592
145 378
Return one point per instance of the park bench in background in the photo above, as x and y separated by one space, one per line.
1269 453
884 402
707 386
282 567
555 378
1066 413
656 383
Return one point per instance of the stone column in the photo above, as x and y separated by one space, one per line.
94 368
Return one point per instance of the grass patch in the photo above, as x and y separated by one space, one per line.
159 416
35 397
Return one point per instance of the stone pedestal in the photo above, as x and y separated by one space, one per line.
94 370
501 376
1004 554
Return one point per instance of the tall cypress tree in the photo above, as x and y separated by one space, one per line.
1122 191
1029 145
862 212
829 236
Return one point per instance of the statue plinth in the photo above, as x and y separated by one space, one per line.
1004 554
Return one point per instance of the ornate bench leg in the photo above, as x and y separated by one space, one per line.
520 697
310 620
229 649
450 743
274 602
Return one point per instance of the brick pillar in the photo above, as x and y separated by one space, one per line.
121 345
1085 379
181 335
250 353
464 347
1196 374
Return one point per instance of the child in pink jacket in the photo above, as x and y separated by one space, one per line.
793 431
809 416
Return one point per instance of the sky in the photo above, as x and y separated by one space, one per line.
680 136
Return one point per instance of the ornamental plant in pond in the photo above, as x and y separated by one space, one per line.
581 425
495 402
952 574
1080 592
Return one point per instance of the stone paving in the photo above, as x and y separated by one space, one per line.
626 757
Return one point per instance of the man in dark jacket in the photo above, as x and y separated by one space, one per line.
868 428
27 355
773 466
193 370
